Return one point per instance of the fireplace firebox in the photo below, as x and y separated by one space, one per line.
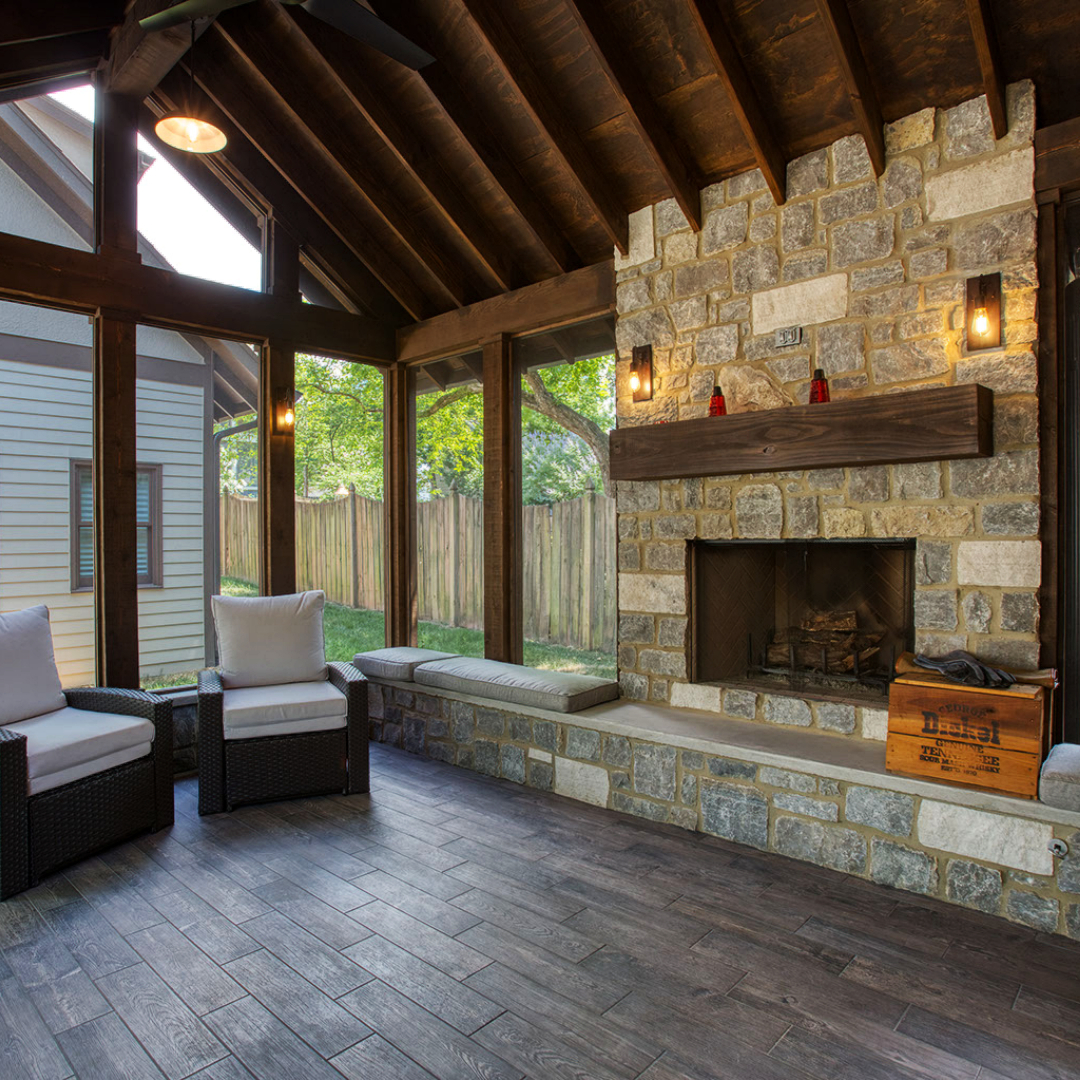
825 617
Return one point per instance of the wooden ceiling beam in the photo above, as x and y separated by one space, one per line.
986 47
549 118
574 297
836 18
33 272
455 106
672 160
745 102
44 20
138 61
312 111
245 171
31 62
320 186
323 45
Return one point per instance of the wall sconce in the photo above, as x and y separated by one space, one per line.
982 312
641 373
284 413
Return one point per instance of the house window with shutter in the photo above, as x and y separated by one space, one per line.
148 561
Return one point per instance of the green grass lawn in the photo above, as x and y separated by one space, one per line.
350 630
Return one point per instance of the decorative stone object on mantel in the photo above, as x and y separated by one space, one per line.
874 272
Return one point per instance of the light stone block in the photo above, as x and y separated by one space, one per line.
695 696
992 838
1008 563
987 185
586 783
817 300
642 245
875 724
654 593
540 755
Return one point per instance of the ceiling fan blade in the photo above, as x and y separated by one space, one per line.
356 21
187 11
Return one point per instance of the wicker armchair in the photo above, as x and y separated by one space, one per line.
242 756
61 822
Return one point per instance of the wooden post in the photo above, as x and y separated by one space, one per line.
400 508
588 539
116 598
502 503
354 548
277 473
456 568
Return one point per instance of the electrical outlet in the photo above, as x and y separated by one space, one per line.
788 335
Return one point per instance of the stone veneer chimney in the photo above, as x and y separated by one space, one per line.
874 272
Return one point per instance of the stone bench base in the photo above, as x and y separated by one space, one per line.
809 795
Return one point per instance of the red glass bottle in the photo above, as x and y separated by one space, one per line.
717 405
819 387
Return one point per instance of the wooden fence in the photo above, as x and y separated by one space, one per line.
568 572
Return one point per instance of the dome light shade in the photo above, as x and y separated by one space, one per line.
190 134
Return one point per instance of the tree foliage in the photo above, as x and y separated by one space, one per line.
567 413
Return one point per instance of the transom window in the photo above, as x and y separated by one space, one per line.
148 560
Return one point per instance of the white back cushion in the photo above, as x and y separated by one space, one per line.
270 639
28 675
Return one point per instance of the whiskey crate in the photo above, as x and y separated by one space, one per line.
988 738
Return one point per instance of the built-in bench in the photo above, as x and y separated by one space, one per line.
810 795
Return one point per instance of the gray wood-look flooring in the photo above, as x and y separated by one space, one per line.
453 926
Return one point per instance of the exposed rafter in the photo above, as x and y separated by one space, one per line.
323 45
339 256
27 66
836 18
672 160
318 180
549 119
138 61
986 46
745 102
320 126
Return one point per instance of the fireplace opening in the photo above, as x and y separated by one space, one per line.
821 617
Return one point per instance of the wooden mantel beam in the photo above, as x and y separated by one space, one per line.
744 99
582 294
34 272
672 160
986 46
549 118
836 18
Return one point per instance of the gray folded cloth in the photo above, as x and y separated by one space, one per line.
962 667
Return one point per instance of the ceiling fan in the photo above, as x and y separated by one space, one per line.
345 15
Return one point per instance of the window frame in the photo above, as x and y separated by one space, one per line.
155 576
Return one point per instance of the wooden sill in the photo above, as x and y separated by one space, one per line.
942 424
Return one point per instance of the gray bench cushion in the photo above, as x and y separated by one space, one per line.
396 663
1059 782
559 691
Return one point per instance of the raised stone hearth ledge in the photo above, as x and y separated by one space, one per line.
805 794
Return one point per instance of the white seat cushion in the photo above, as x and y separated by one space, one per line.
396 663
69 744
288 709
560 691
31 686
268 640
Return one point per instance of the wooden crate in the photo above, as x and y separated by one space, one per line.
993 739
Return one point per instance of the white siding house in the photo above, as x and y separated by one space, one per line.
45 438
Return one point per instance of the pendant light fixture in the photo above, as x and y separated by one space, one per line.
185 131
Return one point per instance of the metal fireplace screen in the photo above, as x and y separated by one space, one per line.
822 614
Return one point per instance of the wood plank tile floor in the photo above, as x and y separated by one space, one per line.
453 926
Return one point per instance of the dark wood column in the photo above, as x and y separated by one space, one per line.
400 508
503 627
277 457
116 599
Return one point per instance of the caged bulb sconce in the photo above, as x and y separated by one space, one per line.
284 413
982 312
641 373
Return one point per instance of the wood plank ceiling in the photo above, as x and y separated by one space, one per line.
517 156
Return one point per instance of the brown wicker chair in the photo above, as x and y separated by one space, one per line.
41 833
270 767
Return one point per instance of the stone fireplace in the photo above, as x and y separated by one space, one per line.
873 270
824 617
